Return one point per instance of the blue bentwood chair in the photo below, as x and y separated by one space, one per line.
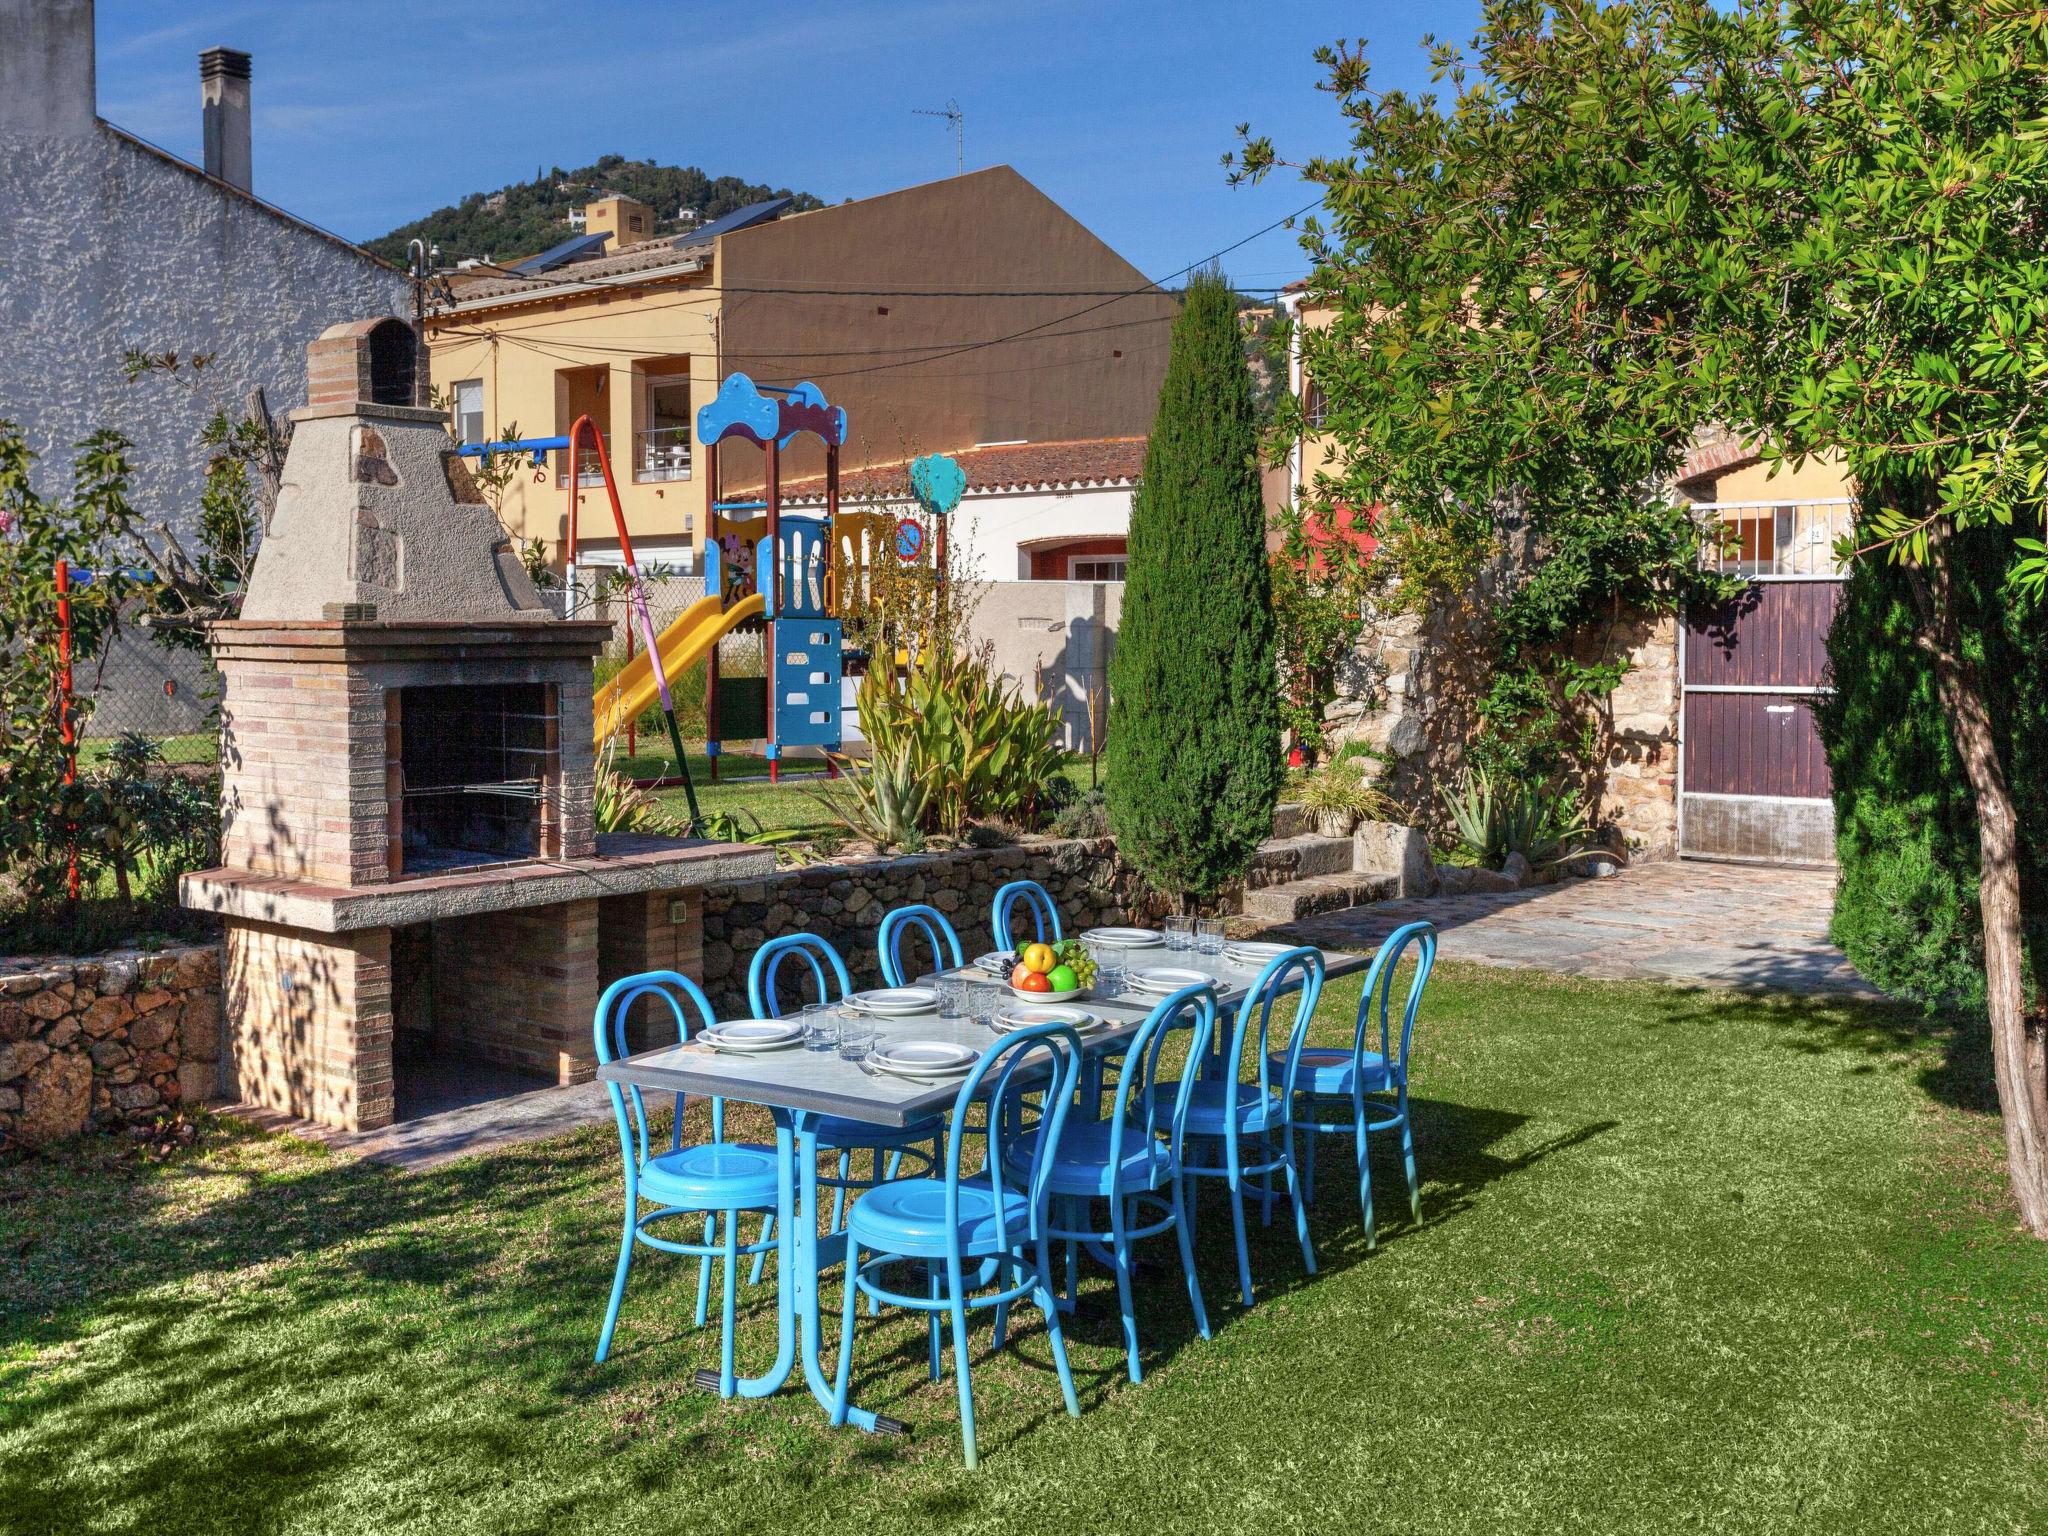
1045 917
1131 1161
1231 1116
717 1180
1322 1083
938 935
973 1232
829 977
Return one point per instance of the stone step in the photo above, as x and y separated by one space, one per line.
1300 857
1291 820
1292 899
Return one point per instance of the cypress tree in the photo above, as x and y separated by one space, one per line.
1194 721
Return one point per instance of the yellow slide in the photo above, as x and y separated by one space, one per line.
690 637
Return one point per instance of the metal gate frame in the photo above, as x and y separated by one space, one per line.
1686 688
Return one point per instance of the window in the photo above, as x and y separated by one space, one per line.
1096 568
1315 409
469 411
664 446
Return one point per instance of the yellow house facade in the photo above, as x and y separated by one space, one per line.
964 313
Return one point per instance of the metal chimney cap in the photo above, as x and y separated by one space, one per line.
231 63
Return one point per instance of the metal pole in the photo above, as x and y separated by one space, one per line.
67 732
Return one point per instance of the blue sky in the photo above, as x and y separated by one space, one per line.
1118 111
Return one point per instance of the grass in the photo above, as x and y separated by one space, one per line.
745 786
1689 1261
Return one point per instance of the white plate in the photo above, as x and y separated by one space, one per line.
1047 997
1130 938
1000 963
1254 951
1165 979
1015 1017
895 1000
751 1035
924 1059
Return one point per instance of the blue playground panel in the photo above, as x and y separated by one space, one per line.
807 673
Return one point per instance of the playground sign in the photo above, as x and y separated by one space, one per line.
937 482
909 539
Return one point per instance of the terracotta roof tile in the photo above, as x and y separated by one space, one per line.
642 256
1003 467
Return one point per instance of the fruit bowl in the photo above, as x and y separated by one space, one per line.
1049 997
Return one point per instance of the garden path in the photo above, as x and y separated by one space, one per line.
1746 926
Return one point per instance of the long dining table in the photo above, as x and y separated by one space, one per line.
802 1087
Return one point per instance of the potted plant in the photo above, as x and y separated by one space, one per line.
1337 794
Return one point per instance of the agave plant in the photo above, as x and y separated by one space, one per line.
1496 818
978 747
884 802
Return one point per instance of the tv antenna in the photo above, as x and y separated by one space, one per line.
956 122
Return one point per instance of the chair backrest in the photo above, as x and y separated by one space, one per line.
817 954
1035 1050
1137 1080
938 933
1299 969
608 1025
1045 917
1377 999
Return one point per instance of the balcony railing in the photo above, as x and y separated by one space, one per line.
588 472
662 453
1781 539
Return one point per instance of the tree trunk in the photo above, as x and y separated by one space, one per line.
2019 1046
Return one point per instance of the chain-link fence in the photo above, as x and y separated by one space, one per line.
138 684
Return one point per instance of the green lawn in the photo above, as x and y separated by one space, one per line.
745 787
1689 1262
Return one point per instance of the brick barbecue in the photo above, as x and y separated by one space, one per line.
408 851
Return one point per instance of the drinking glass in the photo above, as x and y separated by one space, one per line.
1209 936
856 1037
821 1027
1111 968
952 992
1180 932
983 999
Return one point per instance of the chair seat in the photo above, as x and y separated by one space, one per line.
908 1216
719 1176
836 1134
1327 1072
1081 1165
1213 1104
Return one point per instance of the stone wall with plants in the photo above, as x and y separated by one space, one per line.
118 1041
845 903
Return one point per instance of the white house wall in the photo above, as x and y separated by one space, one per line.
1000 527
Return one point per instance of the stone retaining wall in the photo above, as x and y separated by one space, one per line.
118 1040
845 903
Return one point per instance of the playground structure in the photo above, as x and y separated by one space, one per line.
767 568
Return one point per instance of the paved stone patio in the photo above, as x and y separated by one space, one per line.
1742 926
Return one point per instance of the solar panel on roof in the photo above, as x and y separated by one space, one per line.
575 248
739 218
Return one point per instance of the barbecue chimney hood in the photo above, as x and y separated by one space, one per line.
377 517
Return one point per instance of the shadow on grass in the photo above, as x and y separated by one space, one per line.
1951 1052
295 1295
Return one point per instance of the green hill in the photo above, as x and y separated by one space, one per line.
530 216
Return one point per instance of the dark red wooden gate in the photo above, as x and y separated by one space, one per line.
1753 780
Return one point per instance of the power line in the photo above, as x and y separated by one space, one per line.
1152 287
619 346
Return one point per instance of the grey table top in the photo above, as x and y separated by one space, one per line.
824 1083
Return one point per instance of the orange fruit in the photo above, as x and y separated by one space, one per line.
1034 981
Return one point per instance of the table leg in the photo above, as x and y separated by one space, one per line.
810 1257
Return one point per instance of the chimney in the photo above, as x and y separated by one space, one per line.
46 69
224 106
